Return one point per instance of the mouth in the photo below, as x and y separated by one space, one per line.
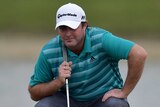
68 40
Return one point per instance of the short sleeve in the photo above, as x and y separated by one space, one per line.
42 71
116 47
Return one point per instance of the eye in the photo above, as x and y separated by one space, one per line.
62 28
65 28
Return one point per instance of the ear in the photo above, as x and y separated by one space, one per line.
85 25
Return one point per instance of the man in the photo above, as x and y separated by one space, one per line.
92 66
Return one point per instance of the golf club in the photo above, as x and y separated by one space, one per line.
67 87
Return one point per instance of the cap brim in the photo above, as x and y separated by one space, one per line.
71 24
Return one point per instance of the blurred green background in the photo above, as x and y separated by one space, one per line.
119 16
25 25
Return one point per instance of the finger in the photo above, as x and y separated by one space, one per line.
64 63
70 63
105 97
63 66
67 68
66 74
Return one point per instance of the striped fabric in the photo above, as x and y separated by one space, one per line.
94 72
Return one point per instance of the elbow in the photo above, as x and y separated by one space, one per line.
142 54
145 55
138 53
137 56
34 99
33 96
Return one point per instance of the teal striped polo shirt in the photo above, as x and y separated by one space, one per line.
94 72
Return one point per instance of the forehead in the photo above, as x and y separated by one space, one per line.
63 27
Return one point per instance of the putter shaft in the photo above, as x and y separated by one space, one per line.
67 91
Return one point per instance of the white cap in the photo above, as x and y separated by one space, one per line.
70 15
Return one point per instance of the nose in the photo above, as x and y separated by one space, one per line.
68 32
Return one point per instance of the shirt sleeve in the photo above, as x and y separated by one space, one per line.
116 47
42 71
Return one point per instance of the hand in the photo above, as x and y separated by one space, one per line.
118 93
64 71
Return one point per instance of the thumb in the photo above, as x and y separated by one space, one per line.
70 63
105 97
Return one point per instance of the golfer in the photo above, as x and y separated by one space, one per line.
92 68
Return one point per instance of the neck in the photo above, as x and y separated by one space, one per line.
78 49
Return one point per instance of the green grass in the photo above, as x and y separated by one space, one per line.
126 16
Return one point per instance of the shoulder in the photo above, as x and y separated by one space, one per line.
97 33
55 42
53 46
96 30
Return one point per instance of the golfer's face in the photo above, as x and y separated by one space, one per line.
73 38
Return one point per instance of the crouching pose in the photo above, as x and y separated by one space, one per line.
92 67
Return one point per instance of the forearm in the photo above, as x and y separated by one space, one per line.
136 63
40 91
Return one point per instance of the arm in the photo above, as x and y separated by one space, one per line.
136 60
42 90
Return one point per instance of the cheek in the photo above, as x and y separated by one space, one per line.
61 35
81 32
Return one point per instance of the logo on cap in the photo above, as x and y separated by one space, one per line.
67 14
83 17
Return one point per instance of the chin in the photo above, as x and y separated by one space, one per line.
70 44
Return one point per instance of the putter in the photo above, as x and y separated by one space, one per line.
65 59
67 91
